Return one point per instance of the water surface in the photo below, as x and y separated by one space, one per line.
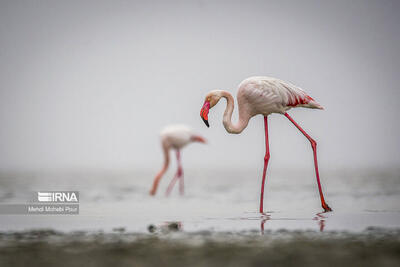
214 200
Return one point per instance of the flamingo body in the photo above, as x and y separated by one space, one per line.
174 137
266 95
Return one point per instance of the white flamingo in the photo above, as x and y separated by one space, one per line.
264 95
174 137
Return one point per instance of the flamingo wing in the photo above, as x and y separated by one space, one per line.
270 95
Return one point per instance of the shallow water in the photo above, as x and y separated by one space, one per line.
213 200
215 223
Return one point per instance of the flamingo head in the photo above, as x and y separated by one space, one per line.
210 101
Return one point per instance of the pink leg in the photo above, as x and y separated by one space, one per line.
179 174
171 184
266 159
314 147
181 186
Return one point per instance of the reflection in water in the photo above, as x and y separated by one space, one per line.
265 217
276 216
321 220
319 217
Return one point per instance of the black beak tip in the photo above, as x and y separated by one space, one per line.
206 122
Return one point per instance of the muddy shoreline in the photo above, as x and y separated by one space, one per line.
372 247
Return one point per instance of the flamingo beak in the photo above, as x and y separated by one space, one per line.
204 112
197 138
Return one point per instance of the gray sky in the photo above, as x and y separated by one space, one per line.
89 84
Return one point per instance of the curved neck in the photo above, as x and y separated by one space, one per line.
243 116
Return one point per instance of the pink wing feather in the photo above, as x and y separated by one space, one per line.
295 96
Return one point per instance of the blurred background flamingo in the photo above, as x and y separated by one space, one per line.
264 95
174 137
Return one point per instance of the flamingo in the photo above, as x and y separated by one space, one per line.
264 95
174 137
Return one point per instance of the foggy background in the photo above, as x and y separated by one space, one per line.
89 84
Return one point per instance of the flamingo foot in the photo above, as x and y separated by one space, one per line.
326 207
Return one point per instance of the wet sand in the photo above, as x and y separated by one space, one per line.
372 247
